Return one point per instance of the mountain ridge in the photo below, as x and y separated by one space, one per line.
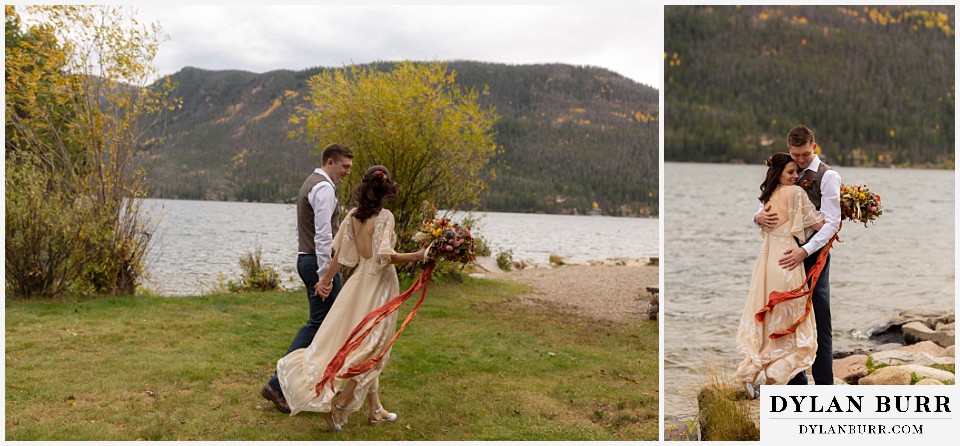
566 132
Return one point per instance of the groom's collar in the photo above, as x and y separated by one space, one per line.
327 176
815 164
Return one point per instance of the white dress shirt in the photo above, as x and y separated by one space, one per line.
829 206
323 198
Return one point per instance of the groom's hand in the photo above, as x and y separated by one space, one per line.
322 290
792 257
766 218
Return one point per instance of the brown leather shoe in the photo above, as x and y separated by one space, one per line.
276 397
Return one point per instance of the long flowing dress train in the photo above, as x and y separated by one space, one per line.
374 281
782 358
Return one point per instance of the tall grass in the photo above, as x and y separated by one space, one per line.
723 413
475 364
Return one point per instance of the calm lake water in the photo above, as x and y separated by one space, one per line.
200 239
905 259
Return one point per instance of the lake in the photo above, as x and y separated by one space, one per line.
197 240
905 259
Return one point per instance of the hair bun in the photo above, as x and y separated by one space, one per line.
379 174
769 161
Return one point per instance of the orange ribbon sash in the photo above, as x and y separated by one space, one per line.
813 275
356 337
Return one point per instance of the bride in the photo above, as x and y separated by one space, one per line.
769 345
366 239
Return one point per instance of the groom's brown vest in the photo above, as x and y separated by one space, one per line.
810 182
305 214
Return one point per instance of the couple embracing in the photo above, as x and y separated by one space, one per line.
365 239
799 216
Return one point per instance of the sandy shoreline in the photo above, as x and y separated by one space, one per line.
612 293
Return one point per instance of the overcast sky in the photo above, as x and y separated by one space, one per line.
622 38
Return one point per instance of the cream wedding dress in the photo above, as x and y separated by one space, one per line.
784 357
369 247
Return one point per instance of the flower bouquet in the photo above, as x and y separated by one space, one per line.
858 203
446 240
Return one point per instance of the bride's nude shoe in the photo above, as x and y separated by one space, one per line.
334 418
377 417
751 390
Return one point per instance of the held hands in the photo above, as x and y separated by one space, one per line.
323 288
765 217
792 257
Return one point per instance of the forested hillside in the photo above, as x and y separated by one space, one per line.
876 84
570 137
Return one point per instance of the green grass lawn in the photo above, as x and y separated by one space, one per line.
475 364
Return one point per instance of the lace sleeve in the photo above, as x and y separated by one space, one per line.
385 237
344 244
803 213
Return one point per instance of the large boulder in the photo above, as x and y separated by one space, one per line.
850 369
887 376
899 357
927 372
929 347
891 330
916 331
489 265
926 315
929 382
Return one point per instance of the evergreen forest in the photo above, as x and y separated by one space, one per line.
875 83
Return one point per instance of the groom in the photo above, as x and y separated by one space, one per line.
318 219
822 185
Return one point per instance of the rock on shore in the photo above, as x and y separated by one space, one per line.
925 354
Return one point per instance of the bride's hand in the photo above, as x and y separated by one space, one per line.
323 289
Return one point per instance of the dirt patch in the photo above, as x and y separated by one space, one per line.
613 293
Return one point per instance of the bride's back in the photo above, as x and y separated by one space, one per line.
363 234
779 205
